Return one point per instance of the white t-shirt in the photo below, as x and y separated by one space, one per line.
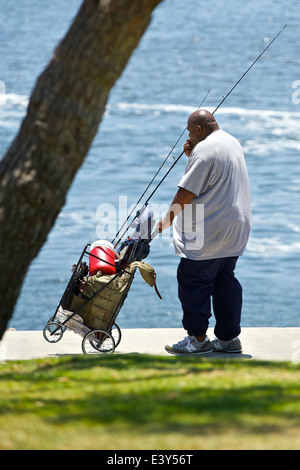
217 222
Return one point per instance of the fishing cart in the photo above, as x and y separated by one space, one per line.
97 290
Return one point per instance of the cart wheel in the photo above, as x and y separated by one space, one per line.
116 334
53 332
54 320
98 342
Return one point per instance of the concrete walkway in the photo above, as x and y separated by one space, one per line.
276 344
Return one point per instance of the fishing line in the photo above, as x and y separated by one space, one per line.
178 158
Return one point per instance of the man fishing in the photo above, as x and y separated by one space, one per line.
212 218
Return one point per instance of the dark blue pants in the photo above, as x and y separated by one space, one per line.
199 282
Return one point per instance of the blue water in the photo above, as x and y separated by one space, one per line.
189 47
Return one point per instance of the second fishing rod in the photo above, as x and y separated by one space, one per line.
179 157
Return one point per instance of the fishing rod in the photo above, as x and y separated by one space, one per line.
249 68
163 163
178 158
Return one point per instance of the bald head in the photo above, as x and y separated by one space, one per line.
201 123
202 117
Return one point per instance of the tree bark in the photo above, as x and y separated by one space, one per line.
62 119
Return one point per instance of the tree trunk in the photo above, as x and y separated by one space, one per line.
62 119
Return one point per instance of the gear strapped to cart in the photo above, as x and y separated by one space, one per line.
97 291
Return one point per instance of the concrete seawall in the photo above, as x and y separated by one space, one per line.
273 344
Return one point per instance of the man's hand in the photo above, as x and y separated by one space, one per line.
164 223
188 147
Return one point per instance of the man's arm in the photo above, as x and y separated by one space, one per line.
182 197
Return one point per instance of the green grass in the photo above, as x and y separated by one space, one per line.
144 402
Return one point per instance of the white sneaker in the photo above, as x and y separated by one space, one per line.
190 346
232 346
